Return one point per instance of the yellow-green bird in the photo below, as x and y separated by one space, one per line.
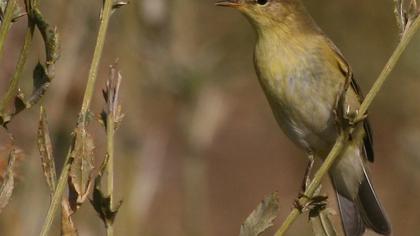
303 74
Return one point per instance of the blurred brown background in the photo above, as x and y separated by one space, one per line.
199 148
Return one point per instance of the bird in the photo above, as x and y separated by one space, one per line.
304 75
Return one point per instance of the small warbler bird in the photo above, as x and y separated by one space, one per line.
303 75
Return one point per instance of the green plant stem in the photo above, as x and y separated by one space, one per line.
110 126
6 23
316 181
93 72
56 198
106 13
14 84
405 40
342 140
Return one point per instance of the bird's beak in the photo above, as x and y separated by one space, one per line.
229 3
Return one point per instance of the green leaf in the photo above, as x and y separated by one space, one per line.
262 217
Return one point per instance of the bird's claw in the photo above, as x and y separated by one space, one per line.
314 205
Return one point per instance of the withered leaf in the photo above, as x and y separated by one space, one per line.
7 186
50 36
322 225
262 217
118 3
68 227
81 169
41 82
46 152
406 11
17 12
319 215
20 104
112 111
101 202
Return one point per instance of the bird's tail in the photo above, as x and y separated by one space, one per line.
364 211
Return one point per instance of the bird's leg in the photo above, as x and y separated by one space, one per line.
346 118
307 176
315 203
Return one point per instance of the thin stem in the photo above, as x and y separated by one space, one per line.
84 110
110 126
405 40
56 198
93 72
342 140
316 181
14 83
6 23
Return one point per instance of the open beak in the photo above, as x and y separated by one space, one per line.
228 3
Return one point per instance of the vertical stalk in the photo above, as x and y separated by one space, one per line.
7 23
100 41
13 87
110 130
93 72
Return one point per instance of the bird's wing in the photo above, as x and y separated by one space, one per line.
347 72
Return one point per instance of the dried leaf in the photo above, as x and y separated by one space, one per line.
44 74
101 202
50 36
112 110
262 217
7 187
17 13
41 82
81 169
319 216
321 224
67 225
118 3
20 104
406 11
46 152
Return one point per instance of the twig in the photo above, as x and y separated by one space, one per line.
112 117
110 128
6 23
13 88
83 114
342 140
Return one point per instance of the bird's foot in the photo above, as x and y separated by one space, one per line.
352 120
314 205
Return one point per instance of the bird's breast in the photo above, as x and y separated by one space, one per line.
301 92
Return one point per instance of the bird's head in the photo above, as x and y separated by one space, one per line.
268 13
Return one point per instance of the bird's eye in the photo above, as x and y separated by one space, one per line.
262 2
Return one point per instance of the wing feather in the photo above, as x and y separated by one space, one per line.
347 72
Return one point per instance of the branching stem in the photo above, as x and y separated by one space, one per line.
100 41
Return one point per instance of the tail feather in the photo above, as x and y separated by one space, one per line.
352 221
364 211
371 210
